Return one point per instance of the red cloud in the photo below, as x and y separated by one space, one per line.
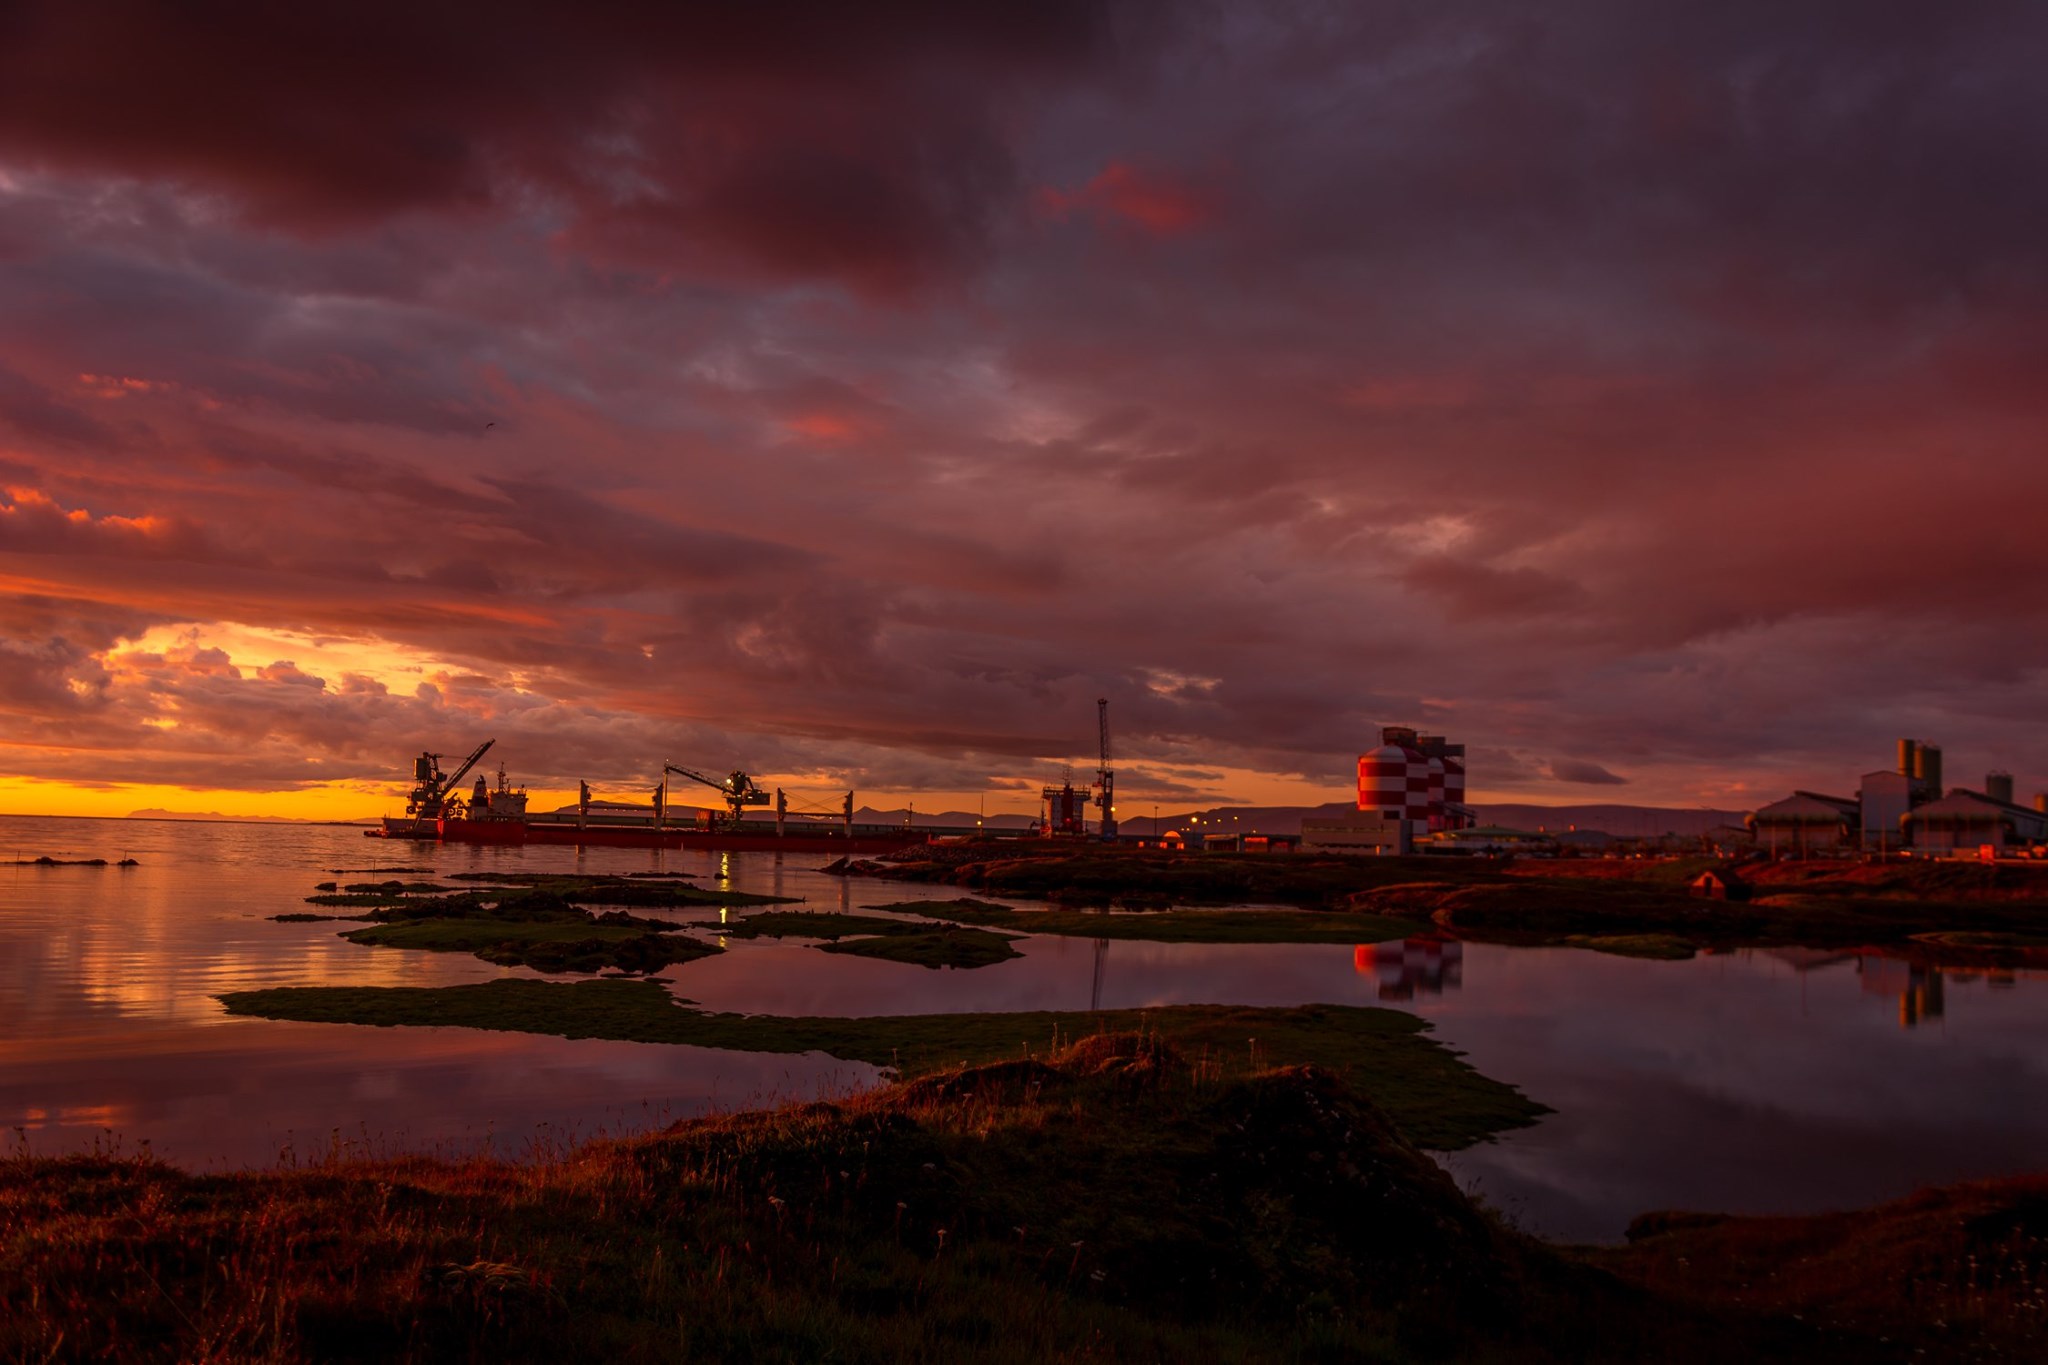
1121 192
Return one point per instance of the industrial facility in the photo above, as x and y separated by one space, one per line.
1905 809
1065 809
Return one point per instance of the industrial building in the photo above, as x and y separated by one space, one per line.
1904 809
1808 822
1970 822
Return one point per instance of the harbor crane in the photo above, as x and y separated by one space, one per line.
738 789
431 786
1105 778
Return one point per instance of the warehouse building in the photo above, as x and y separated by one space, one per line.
1808 822
1969 822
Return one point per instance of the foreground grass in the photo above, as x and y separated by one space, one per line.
1959 1273
1433 1096
1174 926
1115 1200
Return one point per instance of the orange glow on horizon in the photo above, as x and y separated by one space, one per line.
327 801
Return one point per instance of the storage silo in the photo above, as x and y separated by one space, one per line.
1383 780
1998 786
1927 768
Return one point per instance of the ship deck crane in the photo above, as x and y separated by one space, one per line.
1105 778
738 789
431 788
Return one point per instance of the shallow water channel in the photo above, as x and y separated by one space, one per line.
1750 1082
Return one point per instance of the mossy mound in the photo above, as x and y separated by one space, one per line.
1186 925
535 929
890 940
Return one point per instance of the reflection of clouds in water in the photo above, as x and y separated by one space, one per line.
1739 1083
237 1103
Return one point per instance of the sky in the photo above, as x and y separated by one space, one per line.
1647 396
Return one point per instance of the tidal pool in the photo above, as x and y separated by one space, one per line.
1749 1082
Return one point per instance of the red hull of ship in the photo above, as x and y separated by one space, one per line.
518 832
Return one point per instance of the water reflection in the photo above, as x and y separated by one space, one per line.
1414 968
1754 1081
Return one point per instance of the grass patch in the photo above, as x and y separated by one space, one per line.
534 930
1173 926
947 945
631 890
808 924
1964 939
918 943
1662 947
1435 1098
1053 870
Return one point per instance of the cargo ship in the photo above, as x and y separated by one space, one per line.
437 811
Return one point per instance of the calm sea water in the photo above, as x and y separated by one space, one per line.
1752 1082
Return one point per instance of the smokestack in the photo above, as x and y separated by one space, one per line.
1998 786
1907 767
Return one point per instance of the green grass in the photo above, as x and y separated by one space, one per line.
917 943
629 890
1091 874
949 945
1662 947
1985 940
532 929
808 924
1434 1097
1173 926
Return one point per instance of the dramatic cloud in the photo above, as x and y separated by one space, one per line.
1579 771
857 394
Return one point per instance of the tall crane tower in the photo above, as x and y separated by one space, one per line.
431 786
1105 778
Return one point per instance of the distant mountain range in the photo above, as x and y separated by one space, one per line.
156 813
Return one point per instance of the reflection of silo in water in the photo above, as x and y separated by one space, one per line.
1923 999
1917 989
1412 968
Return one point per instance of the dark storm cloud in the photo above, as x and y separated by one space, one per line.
798 138
869 390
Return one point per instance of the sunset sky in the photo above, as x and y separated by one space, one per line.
1650 396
